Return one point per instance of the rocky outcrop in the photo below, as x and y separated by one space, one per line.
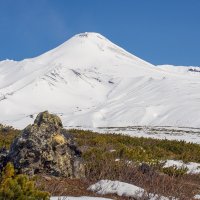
45 147
3 157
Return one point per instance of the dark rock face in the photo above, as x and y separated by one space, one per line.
3 157
45 147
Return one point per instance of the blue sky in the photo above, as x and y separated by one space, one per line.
159 31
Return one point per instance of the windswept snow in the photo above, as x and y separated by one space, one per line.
91 82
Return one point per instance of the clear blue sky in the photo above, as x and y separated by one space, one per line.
159 31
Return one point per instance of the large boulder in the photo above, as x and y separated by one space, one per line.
45 147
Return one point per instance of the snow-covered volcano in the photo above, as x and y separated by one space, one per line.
91 82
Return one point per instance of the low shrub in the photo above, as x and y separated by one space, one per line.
7 135
175 171
137 149
19 187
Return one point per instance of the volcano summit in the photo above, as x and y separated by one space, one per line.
91 82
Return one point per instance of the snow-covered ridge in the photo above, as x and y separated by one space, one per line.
189 70
91 82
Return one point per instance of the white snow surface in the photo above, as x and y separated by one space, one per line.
197 196
187 134
122 189
78 198
193 168
91 82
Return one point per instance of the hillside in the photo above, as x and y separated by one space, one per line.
91 82
164 168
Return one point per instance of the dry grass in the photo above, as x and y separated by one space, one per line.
182 187
69 187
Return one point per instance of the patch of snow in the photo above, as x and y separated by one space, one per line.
112 150
171 133
78 198
122 189
193 168
197 196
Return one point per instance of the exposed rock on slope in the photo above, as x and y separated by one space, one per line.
45 147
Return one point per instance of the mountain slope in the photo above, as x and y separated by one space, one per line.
91 82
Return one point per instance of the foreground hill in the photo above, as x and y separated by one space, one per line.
91 82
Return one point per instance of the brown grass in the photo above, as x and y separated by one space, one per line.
183 187
69 187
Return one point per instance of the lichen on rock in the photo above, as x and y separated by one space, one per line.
45 118
45 147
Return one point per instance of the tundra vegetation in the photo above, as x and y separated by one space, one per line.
133 160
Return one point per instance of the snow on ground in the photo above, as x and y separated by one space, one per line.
78 198
171 133
104 187
122 189
193 168
197 196
90 82
189 70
